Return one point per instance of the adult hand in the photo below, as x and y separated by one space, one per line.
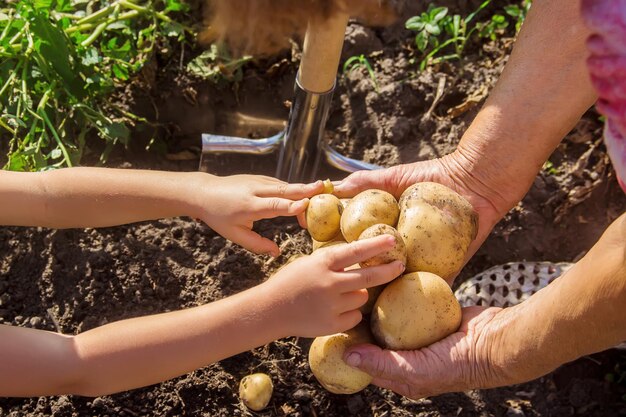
449 171
461 361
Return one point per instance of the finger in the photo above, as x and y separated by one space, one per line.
274 207
379 363
252 241
291 191
401 388
353 300
372 276
302 219
354 184
394 180
348 320
342 256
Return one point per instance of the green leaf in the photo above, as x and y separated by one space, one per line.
174 29
433 29
421 40
174 6
415 23
58 53
513 10
91 57
43 4
56 153
120 71
17 162
438 13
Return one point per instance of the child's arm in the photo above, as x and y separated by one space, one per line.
99 197
309 297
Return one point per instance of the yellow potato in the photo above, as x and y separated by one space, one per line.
326 361
328 187
445 199
396 253
256 391
366 209
434 242
323 217
337 239
414 311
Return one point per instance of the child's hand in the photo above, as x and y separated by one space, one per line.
230 206
317 297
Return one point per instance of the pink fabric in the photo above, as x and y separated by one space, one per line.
607 68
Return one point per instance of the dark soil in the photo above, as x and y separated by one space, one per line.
74 280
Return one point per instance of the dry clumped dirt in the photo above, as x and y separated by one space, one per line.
75 280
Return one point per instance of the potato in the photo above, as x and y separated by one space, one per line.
397 253
414 311
366 209
337 239
445 199
323 216
326 361
433 241
437 226
256 391
328 187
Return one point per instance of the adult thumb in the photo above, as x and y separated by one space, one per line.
373 360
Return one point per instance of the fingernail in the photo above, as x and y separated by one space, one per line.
402 266
353 359
391 240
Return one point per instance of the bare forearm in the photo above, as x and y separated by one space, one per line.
137 352
93 197
539 97
580 313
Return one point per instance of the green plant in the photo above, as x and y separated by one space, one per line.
618 374
428 26
217 65
518 12
60 60
443 37
360 61
549 168
494 27
435 22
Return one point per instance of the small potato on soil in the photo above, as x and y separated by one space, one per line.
396 253
366 209
414 311
256 391
323 217
326 361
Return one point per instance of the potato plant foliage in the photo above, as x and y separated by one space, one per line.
60 61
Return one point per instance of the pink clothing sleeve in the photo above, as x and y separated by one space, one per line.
607 68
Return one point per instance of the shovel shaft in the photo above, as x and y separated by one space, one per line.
321 53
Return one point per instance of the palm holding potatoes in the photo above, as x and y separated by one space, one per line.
458 362
321 296
488 204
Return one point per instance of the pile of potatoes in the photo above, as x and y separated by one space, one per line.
434 227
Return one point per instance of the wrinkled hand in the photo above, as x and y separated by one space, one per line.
318 296
447 171
231 205
459 362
